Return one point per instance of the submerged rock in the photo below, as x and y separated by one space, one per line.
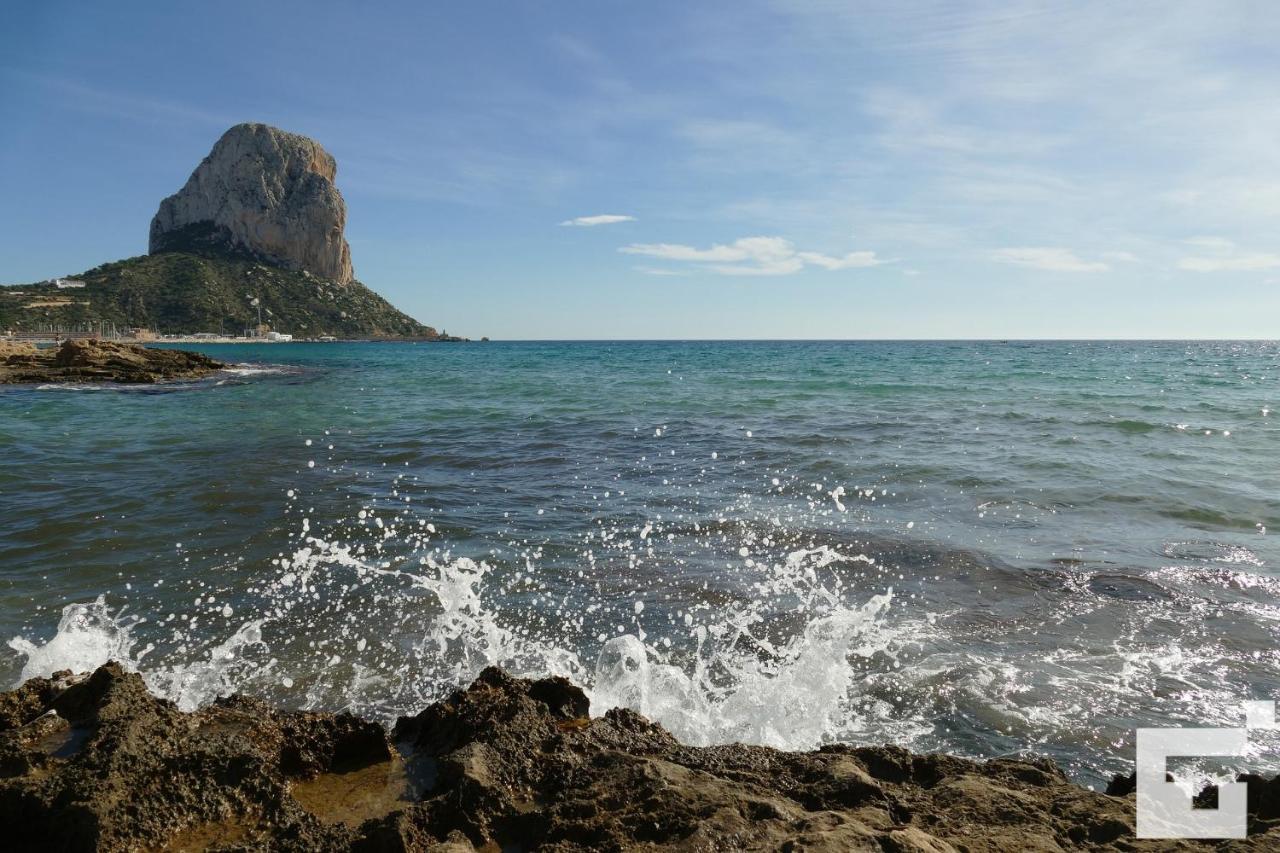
100 361
97 763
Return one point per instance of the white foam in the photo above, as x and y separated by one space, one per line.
88 636
222 673
735 683
252 370
786 702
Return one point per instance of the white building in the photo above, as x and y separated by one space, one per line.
67 283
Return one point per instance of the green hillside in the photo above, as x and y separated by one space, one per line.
187 293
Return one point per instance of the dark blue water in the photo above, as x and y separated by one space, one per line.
975 547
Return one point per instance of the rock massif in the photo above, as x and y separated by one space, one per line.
265 192
97 763
189 292
254 238
100 361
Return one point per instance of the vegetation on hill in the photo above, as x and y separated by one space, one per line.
189 292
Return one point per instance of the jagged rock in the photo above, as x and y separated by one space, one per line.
100 361
265 192
97 763
16 350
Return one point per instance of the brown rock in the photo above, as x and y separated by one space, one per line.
508 764
16 351
100 361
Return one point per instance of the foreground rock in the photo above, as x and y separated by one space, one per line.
266 192
100 361
508 764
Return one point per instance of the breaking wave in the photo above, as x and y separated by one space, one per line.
343 625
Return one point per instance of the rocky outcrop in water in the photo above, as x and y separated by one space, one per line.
255 237
97 763
100 361
264 192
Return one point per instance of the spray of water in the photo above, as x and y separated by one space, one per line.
390 624
88 636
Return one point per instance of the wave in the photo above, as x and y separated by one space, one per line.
247 369
1127 425
807 636
722 675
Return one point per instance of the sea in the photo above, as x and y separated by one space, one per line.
979 548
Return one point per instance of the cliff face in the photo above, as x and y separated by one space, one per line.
264 192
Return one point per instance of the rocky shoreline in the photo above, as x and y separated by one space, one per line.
97 763
100 361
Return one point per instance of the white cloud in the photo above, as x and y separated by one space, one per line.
853 260
1217 244
662 271
781 266
741 250
1231 263
1121 257
1224 256
753 256
1051 259
598 219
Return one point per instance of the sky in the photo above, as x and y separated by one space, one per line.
744 169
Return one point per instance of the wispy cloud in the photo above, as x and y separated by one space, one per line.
911 123
753 256
119 103
1216 244
853 260
598 219
1237 263
662 271
1222 255
1048 258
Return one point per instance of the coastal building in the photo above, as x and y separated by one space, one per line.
67 283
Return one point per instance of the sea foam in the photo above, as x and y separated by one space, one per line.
718 678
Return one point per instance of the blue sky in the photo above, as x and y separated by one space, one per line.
671 169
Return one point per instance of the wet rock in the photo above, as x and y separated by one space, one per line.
1121 785
100 361
97 763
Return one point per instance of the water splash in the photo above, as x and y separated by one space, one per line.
88 635
222 673
352 626
786 700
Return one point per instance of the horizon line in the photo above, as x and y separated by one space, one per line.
871 340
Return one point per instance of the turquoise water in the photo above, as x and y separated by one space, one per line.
974 547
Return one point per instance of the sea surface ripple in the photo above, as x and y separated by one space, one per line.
977 547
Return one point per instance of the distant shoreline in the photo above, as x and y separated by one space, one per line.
188 340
